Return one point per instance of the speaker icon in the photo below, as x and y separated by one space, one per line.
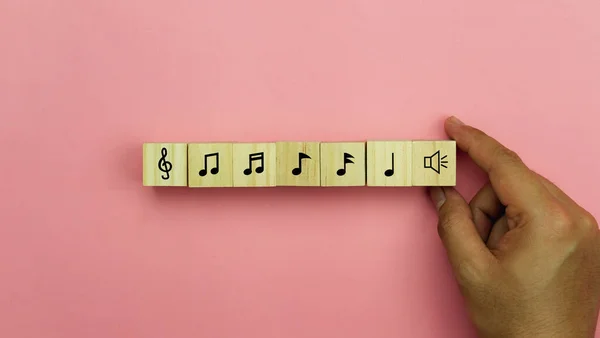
435 162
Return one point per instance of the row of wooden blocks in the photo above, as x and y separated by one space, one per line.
325 164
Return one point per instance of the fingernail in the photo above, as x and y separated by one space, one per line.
437 196
456 121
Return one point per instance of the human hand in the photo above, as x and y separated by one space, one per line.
525 255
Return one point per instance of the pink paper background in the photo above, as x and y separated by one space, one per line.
86 251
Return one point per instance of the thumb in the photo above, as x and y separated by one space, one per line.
457 230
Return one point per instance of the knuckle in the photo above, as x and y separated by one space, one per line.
507 155
479 137
560 217
559 213
503 157
479 134
588 222
560 220
471 272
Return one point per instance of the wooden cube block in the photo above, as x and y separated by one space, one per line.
434 163
254 165
165 164
298 164
343 164
210 165
389 163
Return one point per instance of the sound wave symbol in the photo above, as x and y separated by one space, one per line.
443 161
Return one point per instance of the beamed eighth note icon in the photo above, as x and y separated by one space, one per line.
215 169
435 162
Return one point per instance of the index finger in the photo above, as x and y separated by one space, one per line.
512 180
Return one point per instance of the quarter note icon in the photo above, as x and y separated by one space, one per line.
390 172
298 171
255 157
347 159
215 169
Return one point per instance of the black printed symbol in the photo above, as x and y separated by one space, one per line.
164 165
347 159
215 169
435 162
298 171
390 172
255 157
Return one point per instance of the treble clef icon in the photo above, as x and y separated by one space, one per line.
164 165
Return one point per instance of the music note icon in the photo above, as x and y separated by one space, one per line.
255 157
164 165
390 172
214 170
347 159
298 171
